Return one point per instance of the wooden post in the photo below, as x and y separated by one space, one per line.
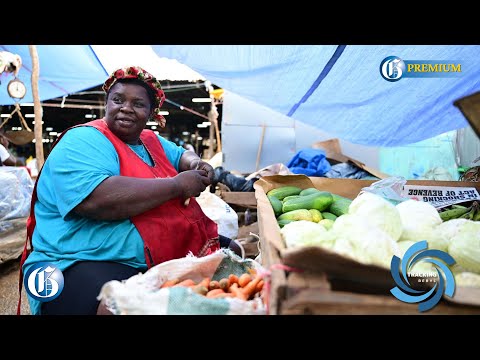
212 117
37 108
214 121
260 146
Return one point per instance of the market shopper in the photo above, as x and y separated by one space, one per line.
114 199
6 157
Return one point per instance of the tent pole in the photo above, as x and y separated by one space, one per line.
260 146
37 108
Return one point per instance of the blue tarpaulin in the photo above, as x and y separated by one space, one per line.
339 89
335 88
64 70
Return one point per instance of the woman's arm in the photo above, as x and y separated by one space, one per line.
121 197
5 156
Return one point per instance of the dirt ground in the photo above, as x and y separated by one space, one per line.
9 272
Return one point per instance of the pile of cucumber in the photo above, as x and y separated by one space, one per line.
291 203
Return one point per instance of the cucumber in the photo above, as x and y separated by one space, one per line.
328 215
300 214
316 215
320 201
340 207
309 191
284 191
276 204
286 198
284 222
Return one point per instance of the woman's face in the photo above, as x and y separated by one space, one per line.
127 112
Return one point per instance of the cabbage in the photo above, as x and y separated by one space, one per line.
378 212
444 233
303 233
465 246
419 220
363 242
467 279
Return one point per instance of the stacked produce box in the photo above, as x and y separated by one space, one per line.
327 256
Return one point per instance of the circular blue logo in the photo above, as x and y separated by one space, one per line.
392 68
44 281
428 299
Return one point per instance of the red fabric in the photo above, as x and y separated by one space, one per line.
171 230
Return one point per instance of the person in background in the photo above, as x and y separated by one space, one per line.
114 199
6 158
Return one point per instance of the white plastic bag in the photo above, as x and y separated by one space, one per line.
16 188
220 212
142 294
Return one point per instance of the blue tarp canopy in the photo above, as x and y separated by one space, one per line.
64 70
337 89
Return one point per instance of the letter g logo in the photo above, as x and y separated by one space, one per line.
44 281
392 68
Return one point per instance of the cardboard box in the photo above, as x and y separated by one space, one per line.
335 156
318 281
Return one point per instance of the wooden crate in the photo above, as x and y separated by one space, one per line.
312 280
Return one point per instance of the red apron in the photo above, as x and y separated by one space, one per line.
169 231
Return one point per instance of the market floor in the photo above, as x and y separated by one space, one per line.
9 289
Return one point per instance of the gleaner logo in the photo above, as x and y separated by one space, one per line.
392 68
44 281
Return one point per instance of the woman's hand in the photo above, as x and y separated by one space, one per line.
191 183
199 164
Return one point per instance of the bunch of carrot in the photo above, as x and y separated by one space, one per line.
244 287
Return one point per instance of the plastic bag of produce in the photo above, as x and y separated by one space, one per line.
146 294
16 187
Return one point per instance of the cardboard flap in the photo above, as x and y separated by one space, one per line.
318 259
334 154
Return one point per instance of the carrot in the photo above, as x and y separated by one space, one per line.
169 283
244 279
237 292
205 282
200 289
233 279
214 292
259 286
224 284
249 290
187 283
221 295
213 285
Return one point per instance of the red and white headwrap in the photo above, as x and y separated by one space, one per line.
136 72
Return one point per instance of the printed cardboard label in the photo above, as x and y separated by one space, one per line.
440 196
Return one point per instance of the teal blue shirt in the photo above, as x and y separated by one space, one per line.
76 166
